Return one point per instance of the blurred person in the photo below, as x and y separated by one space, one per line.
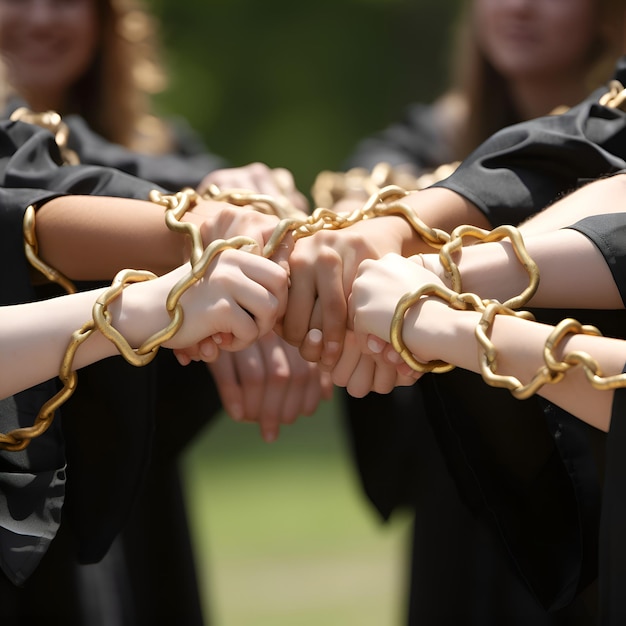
514 60
511 61
584 232
456 554
91 529
96 63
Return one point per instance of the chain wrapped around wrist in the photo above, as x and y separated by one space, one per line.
201 258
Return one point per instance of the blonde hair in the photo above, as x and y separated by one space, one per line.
485 93
114 95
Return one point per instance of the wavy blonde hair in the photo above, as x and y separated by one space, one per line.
114 95
484 90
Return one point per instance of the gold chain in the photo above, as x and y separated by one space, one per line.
31 249
384 202
19 438
551 372
486 236
52 121
330 187
615 97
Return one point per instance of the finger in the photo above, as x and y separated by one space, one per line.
327 386
312 346
300 301
282 252
315 391
228 387
385 377
303 382
362 379
346 364
181 357
209 350
252 374
333 306
278 374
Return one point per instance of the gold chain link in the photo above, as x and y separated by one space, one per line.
177 205
486 236
615 97
52 121
331 187
31 249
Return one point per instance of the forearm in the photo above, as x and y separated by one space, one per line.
449 335
442 209
91 238
436 208
607 195
35 336
573 272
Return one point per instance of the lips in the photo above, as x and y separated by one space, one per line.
34 50
519 35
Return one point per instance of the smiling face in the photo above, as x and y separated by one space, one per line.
46 46
536 38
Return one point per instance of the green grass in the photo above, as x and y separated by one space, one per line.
283 533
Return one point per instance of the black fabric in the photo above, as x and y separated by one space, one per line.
613 521
108 464
523 168
185 166
509 462
608 233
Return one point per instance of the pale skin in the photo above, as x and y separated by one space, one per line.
523 40
323 267
90 238
241 294
433 330
492 271
47 46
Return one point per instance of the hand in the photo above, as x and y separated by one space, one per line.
269 383
258 177
361 373
241 296
322 271
378 287
220 220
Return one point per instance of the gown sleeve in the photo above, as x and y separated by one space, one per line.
516 173
185 166
608 233
108 475
523 168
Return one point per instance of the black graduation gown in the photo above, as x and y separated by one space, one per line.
76 483
512 175
462 565
608 233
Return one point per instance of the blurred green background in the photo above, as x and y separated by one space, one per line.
296 84
284 535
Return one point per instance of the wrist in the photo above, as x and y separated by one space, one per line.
140 311
434 331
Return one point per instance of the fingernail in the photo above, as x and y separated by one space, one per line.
332 347
236 412
315 336
269 436
374 345
217 339
394 357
